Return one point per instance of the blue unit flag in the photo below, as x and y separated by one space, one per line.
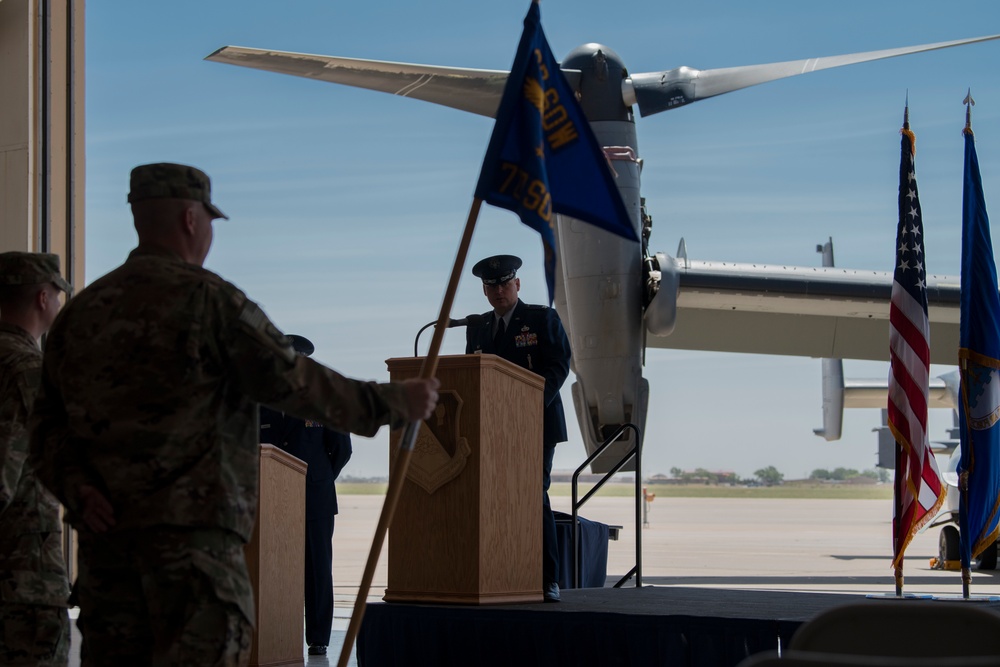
979 363
543 157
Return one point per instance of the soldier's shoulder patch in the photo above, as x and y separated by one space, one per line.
234 294
282 341
252 316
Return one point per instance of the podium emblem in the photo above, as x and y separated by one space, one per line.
440 451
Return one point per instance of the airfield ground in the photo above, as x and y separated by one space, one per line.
798 544
817 544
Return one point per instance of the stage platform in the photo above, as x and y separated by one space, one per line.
683 627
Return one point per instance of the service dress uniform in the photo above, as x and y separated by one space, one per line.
326 452
534 338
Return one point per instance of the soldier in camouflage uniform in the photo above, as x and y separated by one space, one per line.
145 428
34 624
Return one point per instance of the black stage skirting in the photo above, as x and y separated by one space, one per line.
683 627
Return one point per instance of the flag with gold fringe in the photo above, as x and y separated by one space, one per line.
979 366
918 491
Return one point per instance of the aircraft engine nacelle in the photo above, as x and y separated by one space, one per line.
600 300
662 286
833 400
654 92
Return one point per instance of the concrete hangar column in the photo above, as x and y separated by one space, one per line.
42 130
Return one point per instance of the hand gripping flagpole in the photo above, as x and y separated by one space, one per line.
405 449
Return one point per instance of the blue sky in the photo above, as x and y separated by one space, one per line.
347 205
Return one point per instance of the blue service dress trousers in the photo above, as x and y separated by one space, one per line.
326 452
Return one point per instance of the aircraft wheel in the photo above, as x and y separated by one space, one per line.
948 544
988 558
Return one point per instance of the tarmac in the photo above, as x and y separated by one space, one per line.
830 546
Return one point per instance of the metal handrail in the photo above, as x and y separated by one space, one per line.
636 452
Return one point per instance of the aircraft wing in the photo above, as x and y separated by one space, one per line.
660 91
474 90
479 90
822 312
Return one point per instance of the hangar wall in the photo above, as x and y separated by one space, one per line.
42 162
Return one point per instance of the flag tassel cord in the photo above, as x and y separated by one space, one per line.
405 449
897 523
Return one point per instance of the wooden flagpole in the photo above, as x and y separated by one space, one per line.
899 477
405 450
963 478
963 481
898 482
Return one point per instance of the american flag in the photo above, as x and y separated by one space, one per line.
919 492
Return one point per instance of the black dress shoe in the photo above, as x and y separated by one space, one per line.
551 592
317 649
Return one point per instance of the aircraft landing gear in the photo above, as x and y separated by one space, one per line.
988 558
948 549
948 552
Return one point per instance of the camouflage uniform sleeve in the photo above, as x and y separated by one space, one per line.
52 453
265 367
13 437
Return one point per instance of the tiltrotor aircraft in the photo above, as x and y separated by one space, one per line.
615 297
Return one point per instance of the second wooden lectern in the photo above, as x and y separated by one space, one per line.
468 525
276 559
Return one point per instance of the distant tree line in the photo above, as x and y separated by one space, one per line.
703 476
768 476
844 474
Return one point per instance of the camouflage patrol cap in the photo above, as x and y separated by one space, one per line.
165 180
497 270
31 268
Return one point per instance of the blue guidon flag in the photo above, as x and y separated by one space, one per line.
979 365
543 157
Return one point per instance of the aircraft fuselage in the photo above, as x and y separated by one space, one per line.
600 284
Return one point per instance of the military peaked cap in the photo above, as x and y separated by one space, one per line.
497 269
301 344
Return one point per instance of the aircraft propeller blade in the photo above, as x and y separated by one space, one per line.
659 91
474 90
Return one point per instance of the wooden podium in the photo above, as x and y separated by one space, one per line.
468 525
276 559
